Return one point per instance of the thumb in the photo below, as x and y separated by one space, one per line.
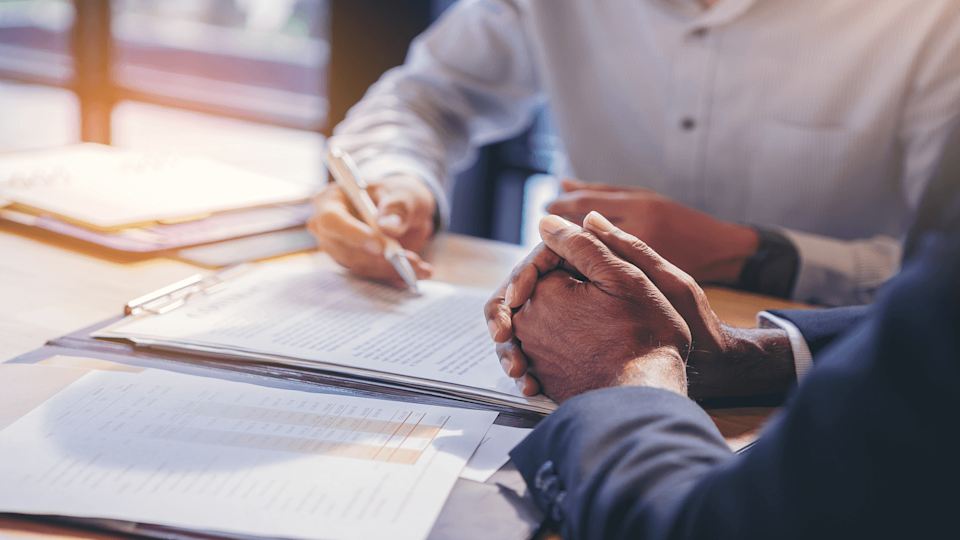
582 250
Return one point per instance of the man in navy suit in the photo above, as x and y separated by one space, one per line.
864 447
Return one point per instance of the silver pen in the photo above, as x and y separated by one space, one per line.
347 176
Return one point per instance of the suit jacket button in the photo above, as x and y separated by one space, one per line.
551 488
547 469
556 512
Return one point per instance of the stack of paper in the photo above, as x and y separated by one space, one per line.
204 454
137 201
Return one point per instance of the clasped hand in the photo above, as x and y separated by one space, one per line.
587 309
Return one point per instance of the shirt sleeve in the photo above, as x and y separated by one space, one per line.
837 272
467 81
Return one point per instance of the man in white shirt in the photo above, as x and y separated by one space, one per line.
816 122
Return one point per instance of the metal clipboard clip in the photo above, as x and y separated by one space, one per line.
177 294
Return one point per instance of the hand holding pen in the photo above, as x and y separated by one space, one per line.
361 234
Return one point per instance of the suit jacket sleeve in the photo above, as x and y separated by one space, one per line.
865 448
820 327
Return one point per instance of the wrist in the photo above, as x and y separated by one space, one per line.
772 269
750 362
662 368
740 243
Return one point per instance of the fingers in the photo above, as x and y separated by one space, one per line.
528 385
375 265
680 289
572 184
590 256
512 359
516 290
613 204
353 243
629 247
334 221
541 261
516 366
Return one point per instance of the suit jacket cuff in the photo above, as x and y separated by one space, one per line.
802 358
821 327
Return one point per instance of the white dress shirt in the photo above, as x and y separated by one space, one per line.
821 117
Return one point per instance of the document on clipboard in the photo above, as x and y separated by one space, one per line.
223 458
110 191
296 314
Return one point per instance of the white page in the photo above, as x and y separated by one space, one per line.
206 454
108 187
299 311
493 452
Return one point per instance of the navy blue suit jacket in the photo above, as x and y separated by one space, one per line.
865 447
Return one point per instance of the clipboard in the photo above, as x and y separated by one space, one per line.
330 377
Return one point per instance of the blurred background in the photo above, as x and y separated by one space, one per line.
254 83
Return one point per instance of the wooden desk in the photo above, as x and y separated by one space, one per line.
48 291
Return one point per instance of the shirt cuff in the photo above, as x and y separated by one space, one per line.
837 272
802 359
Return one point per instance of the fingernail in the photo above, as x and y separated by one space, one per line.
372 247
494 329
390 221
599 222
552 224
521 383
508 296
507 365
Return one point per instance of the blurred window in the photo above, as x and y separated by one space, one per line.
35 41
260 60
263 60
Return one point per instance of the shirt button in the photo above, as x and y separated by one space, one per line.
688 123
700 33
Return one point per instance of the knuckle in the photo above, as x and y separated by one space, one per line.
581 243
687 282
492 308
638 245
